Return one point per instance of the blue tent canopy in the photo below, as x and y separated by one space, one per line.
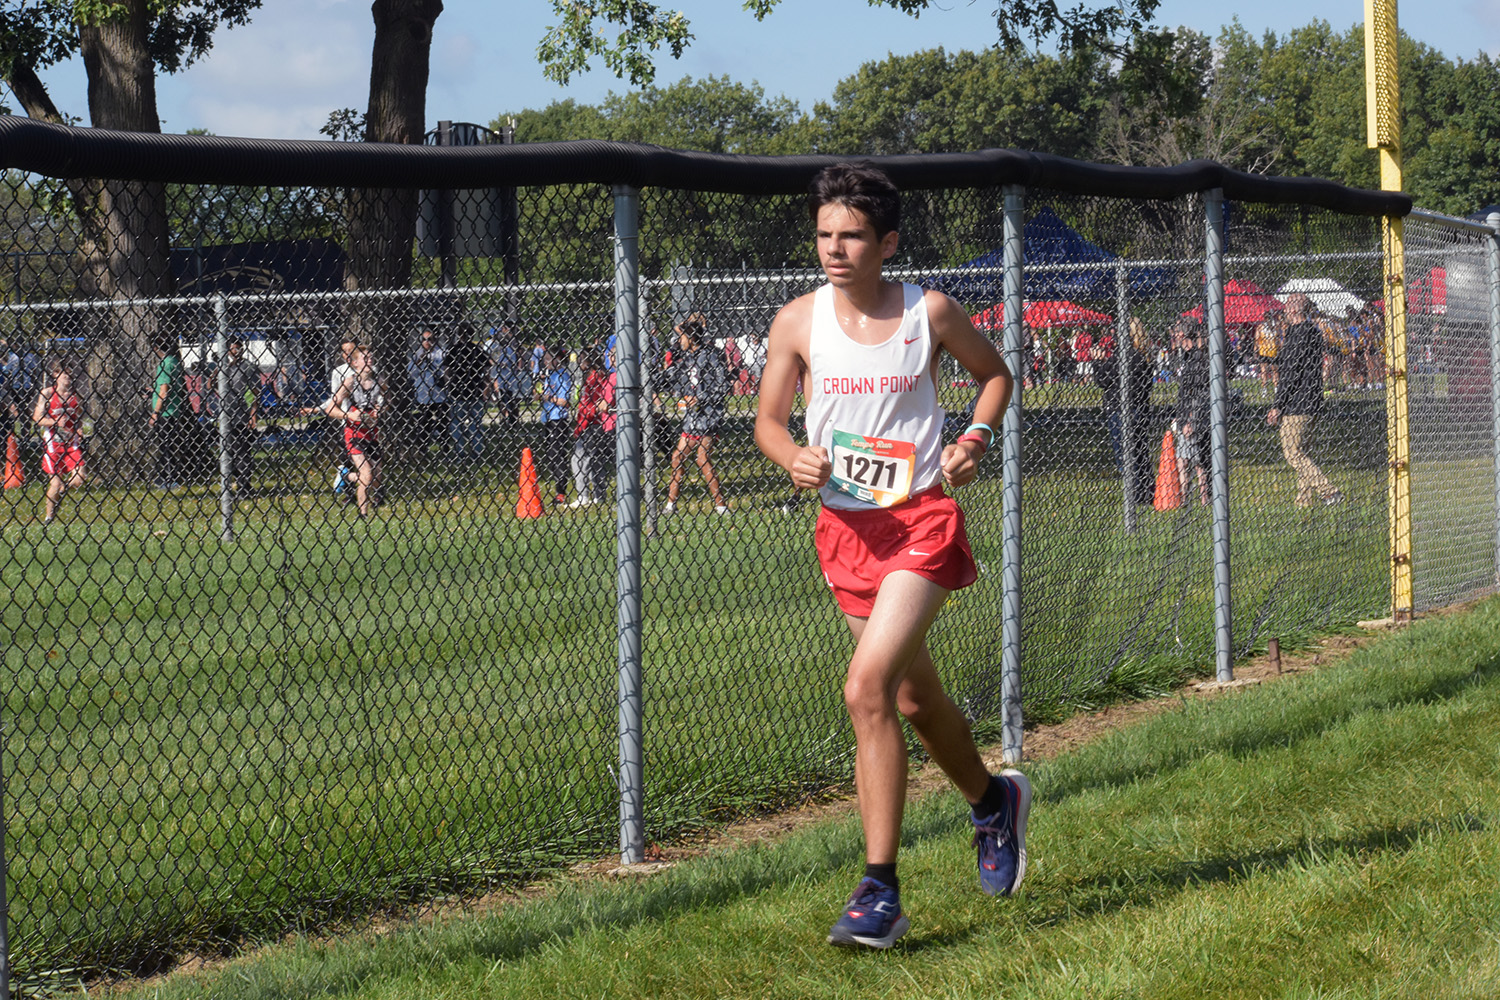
1050 240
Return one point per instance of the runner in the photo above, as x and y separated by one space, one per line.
59 413
890 541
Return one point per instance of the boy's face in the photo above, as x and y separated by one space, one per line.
848 248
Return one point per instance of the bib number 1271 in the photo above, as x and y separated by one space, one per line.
875 470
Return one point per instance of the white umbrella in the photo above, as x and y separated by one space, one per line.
1331 298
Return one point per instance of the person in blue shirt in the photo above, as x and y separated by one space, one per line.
555 391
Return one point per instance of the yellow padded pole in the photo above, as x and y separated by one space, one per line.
1383 128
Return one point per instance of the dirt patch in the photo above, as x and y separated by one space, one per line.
1041 742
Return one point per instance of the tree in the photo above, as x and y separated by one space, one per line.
934 101
124 249
643 29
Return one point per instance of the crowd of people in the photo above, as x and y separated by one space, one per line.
449 396
457 386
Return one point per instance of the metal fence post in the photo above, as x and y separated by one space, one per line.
646 358
4 877
628 522
1218 400
226 467
1494 283
1128 430
1010 618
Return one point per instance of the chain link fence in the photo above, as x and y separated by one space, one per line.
334 618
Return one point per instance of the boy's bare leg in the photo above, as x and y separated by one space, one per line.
891 668
675 485
54 494
709 476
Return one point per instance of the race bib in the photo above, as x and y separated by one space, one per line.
875 470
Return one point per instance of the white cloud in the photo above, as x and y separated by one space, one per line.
280 75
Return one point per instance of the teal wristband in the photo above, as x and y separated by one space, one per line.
982 427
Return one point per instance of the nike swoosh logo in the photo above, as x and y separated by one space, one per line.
911 341
916 553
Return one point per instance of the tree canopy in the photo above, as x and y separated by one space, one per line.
642 29
1289 104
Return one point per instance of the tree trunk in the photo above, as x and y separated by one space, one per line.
383 223
127 247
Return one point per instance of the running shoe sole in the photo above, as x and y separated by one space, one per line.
844 939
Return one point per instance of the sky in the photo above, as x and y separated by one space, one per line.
281 75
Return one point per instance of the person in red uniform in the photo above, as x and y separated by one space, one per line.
357 405
59 413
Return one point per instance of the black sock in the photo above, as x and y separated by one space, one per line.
885 874
995 799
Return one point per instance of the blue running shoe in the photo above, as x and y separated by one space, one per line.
872 918
1001 839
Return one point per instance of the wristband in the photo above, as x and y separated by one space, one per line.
973 436
981 427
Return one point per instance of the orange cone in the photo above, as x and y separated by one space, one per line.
14 475
1168 488
530 503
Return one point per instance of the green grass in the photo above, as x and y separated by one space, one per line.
210 742
1334 834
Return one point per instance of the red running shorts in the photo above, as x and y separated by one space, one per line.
61 459
925 535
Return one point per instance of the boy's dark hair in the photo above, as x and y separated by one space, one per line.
693 327
862 186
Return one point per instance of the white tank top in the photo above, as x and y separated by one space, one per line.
874 408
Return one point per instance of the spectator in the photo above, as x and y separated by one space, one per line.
699 378
1136 400
1299 401
593 434
1372 337
59 413
289 383
508 377
467 378
1268 334
241 404
753 356
1192 404
10 365
31 369
357 406
426 368
172 422
555 390
1082 346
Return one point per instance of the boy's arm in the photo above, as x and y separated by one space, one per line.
786 360
956 334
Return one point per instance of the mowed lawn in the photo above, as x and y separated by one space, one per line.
1333 834
210 743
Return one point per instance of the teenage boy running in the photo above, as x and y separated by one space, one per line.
890 541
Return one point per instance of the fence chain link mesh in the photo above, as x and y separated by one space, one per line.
273 669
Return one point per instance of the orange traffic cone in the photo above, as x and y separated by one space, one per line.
530 503
14 475
1168 487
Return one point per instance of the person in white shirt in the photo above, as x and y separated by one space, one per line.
891 543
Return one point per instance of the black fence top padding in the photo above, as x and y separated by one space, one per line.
66 151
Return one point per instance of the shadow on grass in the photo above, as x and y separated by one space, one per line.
1247 734
1108 893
